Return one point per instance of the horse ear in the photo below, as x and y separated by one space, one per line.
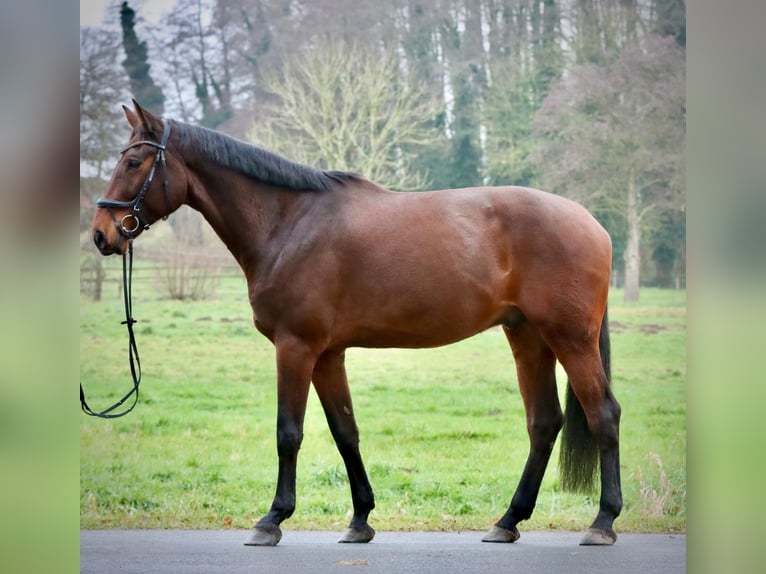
148 122
130 114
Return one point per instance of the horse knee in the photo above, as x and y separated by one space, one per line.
346 439
288 442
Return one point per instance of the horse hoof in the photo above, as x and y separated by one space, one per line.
264 537
499 534
598 537
358 535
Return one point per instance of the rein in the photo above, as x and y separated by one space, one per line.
134 360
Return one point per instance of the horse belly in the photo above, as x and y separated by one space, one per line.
425 334
430 312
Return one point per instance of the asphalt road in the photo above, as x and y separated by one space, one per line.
303 552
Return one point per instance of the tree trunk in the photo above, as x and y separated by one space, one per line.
632 254
98 278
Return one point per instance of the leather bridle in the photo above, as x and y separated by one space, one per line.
127 271
126 227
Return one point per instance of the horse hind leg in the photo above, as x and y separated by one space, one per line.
535 365
592 407
331 384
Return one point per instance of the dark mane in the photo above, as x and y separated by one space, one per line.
257 162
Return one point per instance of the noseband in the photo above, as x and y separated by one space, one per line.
126 227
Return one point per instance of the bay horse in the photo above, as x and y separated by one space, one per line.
334 261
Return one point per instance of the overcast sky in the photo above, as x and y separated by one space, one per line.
92 11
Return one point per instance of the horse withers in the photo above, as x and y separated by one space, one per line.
334 261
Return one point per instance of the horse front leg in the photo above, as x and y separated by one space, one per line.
295 363
331 384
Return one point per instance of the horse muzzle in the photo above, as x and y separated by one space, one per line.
109 243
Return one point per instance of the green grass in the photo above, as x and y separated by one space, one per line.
442 430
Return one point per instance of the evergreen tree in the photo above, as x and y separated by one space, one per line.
102 83
465 157
136 64
671 19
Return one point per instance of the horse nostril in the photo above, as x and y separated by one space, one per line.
99 239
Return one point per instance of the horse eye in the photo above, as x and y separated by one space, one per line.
133 164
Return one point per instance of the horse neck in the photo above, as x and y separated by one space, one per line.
246 214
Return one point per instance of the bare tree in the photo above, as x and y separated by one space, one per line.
199 44
190 258
612 137
347 107
103 85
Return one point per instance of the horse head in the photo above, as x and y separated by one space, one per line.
149 182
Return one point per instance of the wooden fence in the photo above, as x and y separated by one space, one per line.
182 273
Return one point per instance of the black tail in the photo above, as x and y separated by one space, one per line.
578 458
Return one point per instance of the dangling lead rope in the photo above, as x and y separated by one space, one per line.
135 361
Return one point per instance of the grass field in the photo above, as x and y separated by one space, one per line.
442 430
